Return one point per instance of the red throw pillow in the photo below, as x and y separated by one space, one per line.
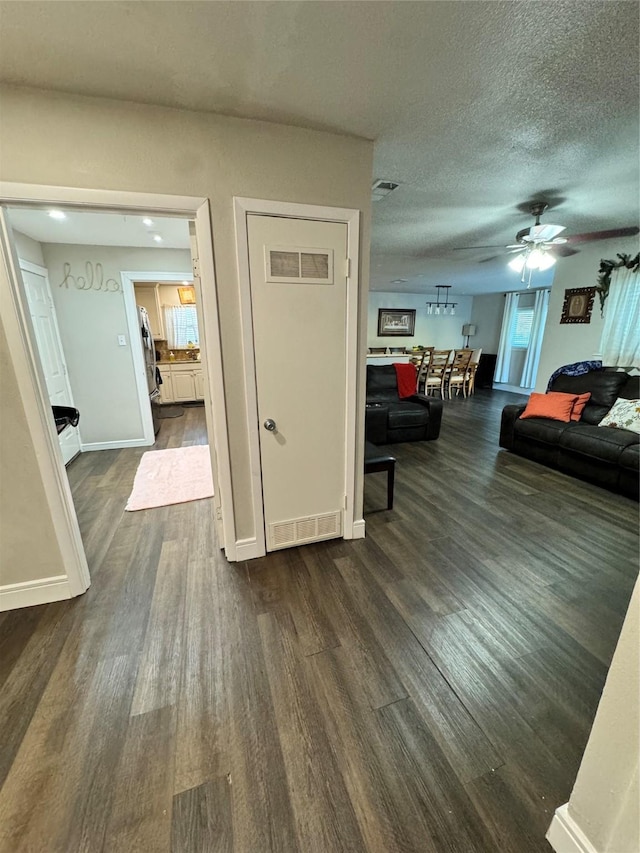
556 406
580 402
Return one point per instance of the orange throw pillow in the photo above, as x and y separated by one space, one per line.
556 406
580 402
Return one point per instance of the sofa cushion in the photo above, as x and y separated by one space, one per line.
604 386
554 405
630 458
604 444
382 382
624 414
631 389
405 415
541 429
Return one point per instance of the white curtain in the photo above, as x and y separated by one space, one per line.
620 341
530 369
181 325
503 362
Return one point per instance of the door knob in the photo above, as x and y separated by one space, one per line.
270 425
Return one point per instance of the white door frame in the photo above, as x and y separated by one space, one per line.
19 331
352 528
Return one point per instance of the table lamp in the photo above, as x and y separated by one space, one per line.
468 330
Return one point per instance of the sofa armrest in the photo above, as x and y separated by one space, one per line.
510 415
435 413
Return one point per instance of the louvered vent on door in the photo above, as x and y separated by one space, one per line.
297 265
285 534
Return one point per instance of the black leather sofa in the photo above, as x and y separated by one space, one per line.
603 455
390 419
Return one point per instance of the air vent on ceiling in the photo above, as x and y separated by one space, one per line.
382 187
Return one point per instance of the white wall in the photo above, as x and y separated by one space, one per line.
441 332
604 801
568 342
28 249
486 315
64 140
100 371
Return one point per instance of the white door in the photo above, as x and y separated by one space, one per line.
298 271
45 326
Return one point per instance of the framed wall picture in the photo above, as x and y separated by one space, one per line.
578 304
187 295
396 322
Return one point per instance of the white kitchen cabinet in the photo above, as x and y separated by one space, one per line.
166 389
148 296
181 383
184 385
199 385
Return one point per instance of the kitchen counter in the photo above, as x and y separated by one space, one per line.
180 361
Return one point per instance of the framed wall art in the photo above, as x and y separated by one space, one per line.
396 322
578 304
187 295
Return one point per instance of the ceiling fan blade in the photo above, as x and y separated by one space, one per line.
515 249
564 251
631 231
462 248
492 258
557 241
515 246
546 232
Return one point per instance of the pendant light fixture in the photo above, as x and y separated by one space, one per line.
442 304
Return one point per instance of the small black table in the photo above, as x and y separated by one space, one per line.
376 460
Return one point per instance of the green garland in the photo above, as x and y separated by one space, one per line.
606 270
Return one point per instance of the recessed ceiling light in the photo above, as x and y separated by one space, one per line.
147 221
157 238
57 214
399 281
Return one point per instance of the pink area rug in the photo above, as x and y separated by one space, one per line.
172 476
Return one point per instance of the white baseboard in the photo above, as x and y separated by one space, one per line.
28 593
358 529
247 549
116 445
565 836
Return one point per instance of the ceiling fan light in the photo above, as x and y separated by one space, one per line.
534 259
546 261
517 263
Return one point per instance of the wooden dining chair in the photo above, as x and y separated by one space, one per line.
456 374
435 373
421 360
470 379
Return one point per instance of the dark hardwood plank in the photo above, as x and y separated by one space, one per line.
141 812
202 818
323 814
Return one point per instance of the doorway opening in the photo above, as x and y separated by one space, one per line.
90 340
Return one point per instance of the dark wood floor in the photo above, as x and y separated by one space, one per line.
430 688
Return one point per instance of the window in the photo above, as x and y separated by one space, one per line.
521 334
181 324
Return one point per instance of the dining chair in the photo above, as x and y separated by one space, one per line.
456 373
421 360
435 373
470 379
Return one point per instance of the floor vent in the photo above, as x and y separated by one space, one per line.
286 534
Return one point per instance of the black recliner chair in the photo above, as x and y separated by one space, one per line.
390 419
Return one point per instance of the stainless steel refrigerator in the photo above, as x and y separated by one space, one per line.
151 373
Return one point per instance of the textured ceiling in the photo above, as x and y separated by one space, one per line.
475 107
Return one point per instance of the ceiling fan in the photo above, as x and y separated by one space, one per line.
538 246
533 245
